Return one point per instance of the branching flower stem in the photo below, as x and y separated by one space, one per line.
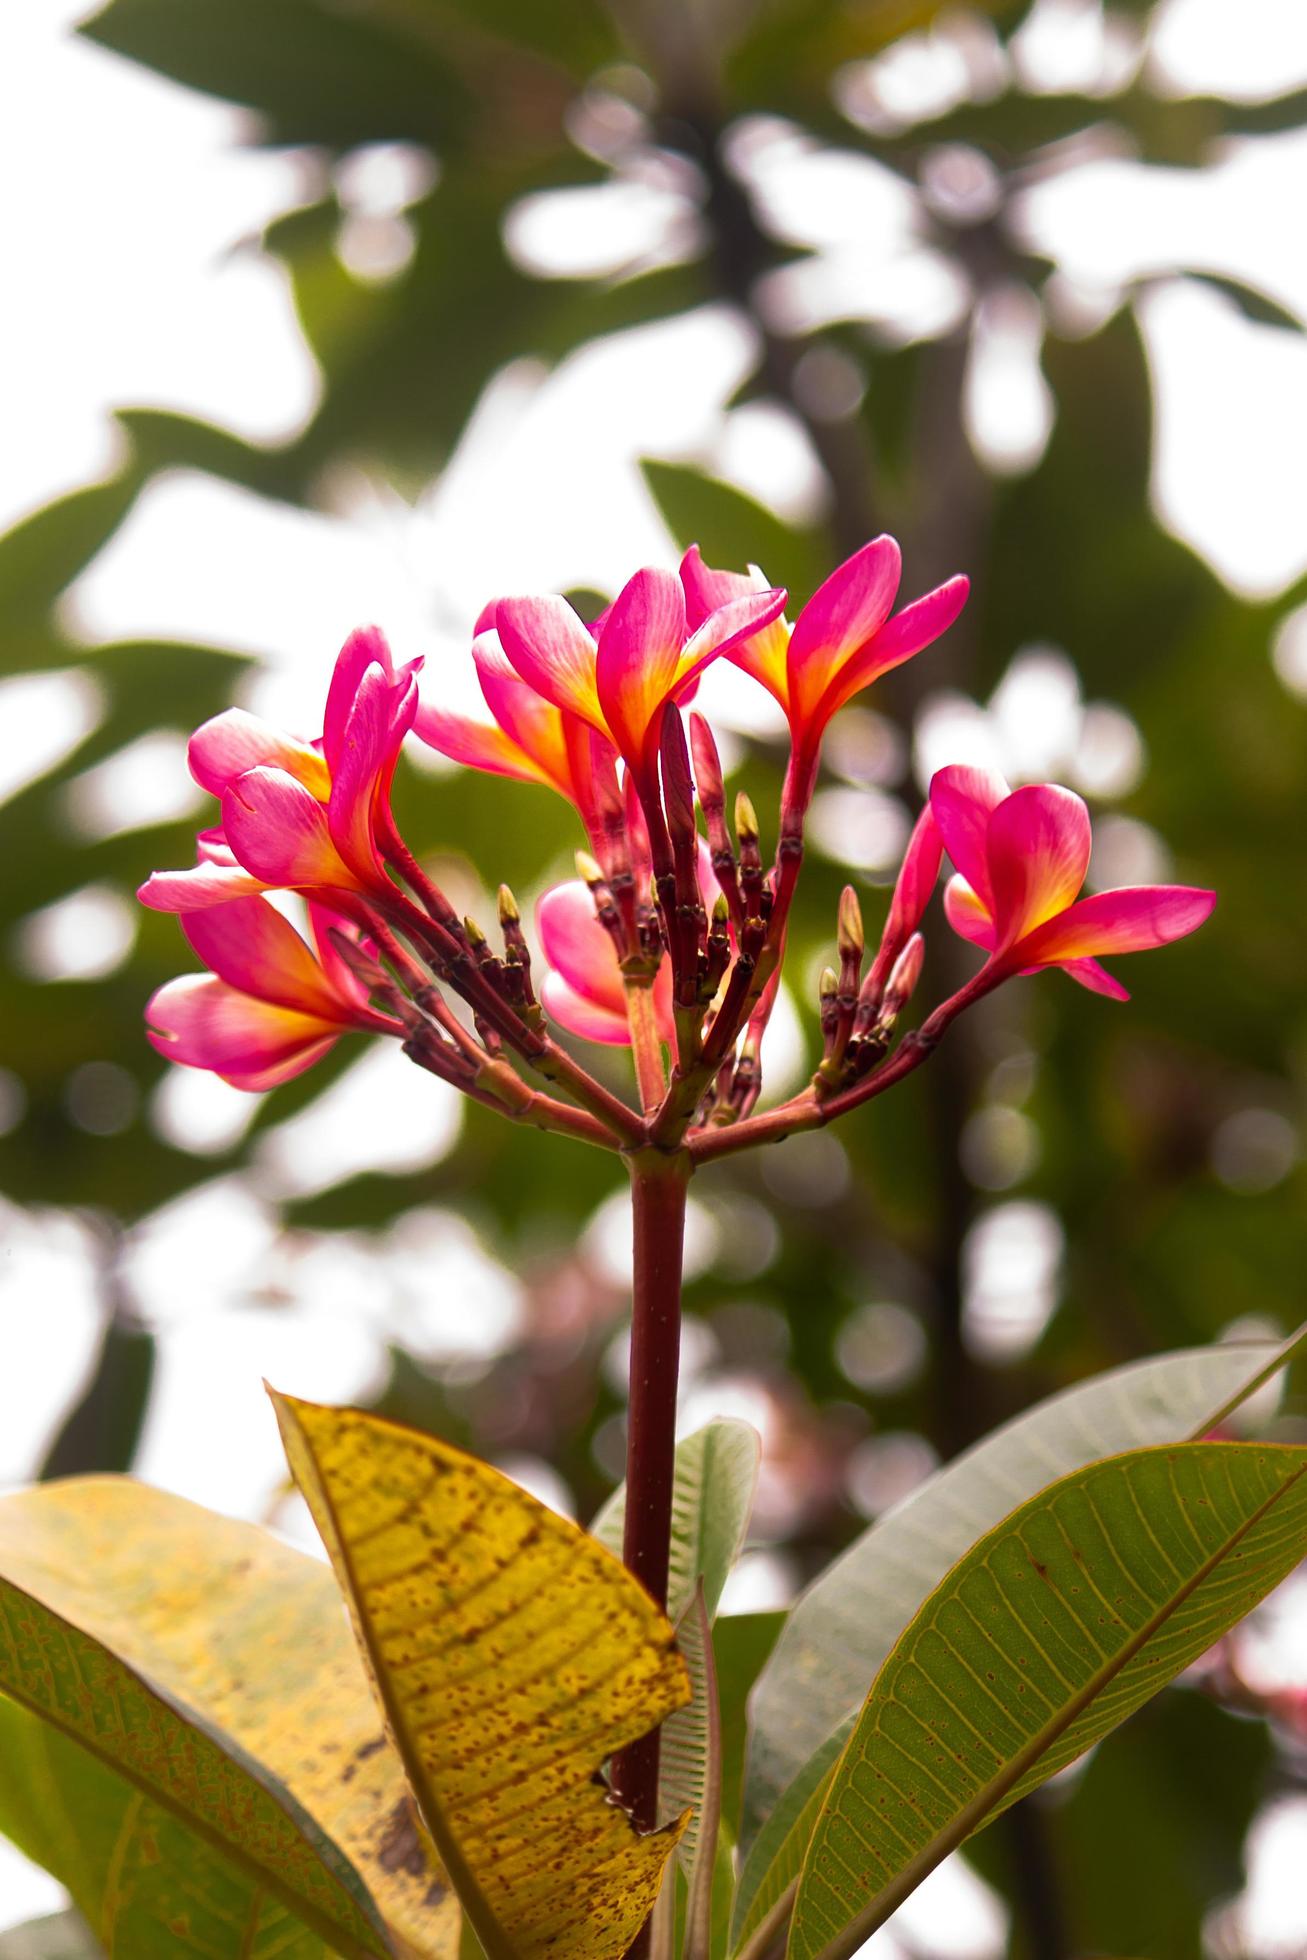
810 1111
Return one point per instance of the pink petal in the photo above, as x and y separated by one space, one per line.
841 617
898 640
962 800
211 846
636 668
968 914
581 1016
552 651
578 948
279 832
1132 920
917 878
736 629
1097 978
381 716
536 725
224 748
203 1023
592 774
1037 850
250 946
485 619
366 647
476 744
706 589
348 993
190 891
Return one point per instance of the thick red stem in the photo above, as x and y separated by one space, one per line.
659 1182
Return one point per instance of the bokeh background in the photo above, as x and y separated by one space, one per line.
319 313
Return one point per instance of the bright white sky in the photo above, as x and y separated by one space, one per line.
131 211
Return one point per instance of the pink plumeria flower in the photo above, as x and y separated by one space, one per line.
1021 858
643 655
529 738
842 641
582 988
297 815
270 1006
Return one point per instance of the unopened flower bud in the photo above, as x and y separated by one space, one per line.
587 870
475 937
707 768
828 989
721 913
851 940
678 787
746 820
903 979
508 912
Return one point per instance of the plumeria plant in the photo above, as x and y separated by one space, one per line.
534 1740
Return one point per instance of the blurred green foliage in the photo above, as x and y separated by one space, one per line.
1160 1250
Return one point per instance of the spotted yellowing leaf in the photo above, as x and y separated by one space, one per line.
187 1687
512 1656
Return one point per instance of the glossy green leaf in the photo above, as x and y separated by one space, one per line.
840 1630
188 1678
716 1476
770 1873
1166 1809
1052 1629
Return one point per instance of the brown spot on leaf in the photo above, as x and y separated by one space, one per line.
400 1849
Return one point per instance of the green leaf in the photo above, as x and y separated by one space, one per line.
1054 1628
512 1656
60 1936
102 1429
716 1475
45 552
741 1643
771 1871
145 1880
690 1772
1254 304
255 1843
843 1626
318 74
1155 1811
734 531
225 1714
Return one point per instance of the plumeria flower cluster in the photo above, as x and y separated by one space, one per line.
671 938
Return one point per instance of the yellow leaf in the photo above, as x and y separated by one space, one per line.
513 1655
248 1636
